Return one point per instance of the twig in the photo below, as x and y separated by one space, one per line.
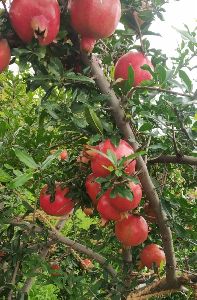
14 279
147 146
183 129
135 16
158 89
172 159
176 150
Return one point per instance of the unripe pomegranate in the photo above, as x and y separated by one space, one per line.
55 267
136 60
5 55
106 210
131 231
35 18
99 162
92 188
61 205
94 19
152 254
124 204
64 155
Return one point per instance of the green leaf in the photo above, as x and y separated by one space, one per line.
21 180
4 177
146 127
92 119
161 71
24 157
130 75
112 157
186 80
49 160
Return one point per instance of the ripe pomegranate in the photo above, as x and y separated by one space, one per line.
124 204
136 60
150 214
131 231
5 54
55 267
94 19
106 210
35 18
98 162
88 211
152 254
92 188
87 263
64 155
61 205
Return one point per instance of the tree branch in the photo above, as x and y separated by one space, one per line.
58 237
172 159
158 89
148 187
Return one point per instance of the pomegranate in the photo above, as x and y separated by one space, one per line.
88 211
64 155
87 263
61 205
92 188
5 54
94 19
131 231
55 267
99 162
136 60
106 210
39 18
124 204
152 254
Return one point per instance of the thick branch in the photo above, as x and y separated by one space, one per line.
58 237
172 159
148 187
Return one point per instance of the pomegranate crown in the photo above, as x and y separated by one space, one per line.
39 25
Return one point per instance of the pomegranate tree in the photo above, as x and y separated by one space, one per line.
152 254
35 18
136 60
94 19
131 231
93 188
100 162
5 54
61 205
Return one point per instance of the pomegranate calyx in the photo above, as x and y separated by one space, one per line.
39 25
87 44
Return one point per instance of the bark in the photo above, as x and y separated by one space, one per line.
173 159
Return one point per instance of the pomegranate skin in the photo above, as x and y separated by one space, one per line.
123 204
5 55
136 60
92 188
28 16
106 210
152 254
98 161
131 231
61 205
95 19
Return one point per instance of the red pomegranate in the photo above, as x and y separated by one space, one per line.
61 205
94 19
55 267
131 231
136 60
87 263
106 210
152 254
64 155
5 55
92 188
99 162
124 204
39 18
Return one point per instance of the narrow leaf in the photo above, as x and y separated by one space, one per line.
186 80
24 157
92 119
21 180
